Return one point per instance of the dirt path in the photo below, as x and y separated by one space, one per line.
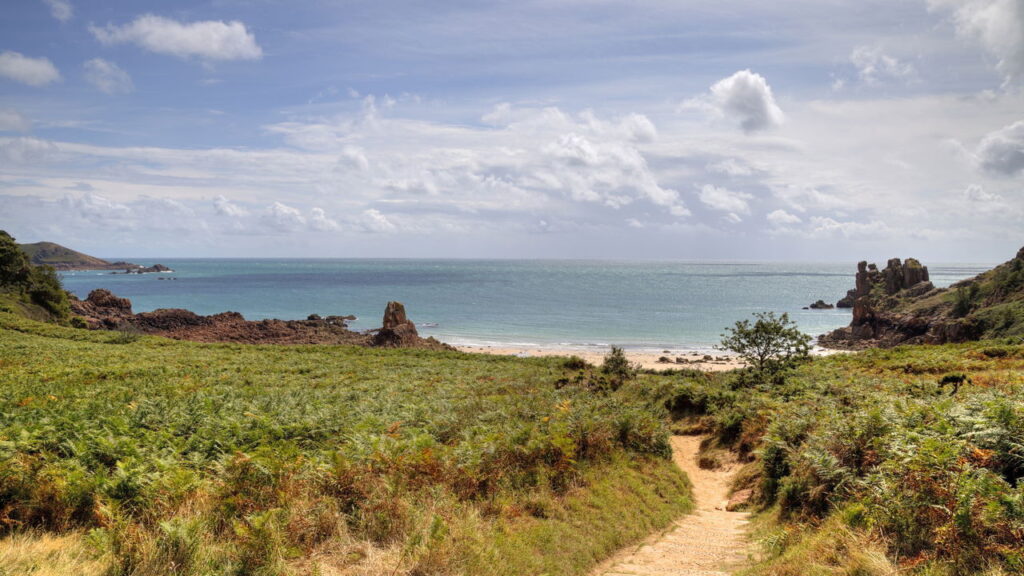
709 542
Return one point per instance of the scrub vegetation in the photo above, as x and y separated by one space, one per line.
150 456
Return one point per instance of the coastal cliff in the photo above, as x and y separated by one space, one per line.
899 305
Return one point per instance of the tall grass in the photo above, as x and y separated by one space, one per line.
165 457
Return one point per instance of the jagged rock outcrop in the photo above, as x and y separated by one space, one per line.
848 300
398 331
900 305
103 310
821 305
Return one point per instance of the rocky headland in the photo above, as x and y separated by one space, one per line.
899 305
64 258
103 310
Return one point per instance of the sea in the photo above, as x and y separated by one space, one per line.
565 304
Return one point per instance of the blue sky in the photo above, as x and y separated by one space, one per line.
798 129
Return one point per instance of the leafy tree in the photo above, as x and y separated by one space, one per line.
38 284
769 345
15 269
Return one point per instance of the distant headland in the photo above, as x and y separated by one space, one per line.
64 258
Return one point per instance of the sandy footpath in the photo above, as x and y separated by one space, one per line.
646 359
710 542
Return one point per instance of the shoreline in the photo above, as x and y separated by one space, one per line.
646 359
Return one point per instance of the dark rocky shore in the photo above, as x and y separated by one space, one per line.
103 310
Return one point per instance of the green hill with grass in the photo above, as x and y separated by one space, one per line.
63 258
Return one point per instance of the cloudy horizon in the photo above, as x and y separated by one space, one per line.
565 129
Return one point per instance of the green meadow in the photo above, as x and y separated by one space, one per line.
128 455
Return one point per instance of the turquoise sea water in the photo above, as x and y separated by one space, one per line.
641 305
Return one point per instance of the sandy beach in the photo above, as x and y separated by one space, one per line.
645 358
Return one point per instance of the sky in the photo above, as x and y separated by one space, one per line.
814 130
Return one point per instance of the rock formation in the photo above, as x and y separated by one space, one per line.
821 305
899 305
104 310
398 331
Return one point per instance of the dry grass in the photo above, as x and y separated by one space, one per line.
32 554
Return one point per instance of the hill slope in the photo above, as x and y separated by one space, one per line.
990 305
63 258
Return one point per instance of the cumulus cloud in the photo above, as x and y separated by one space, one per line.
725 200
60 9
996 25
747 98
27 70
373 221
225 207
639 128
209 40
11 121
781 218
874 66
1002 152
283 218
319 221
107 76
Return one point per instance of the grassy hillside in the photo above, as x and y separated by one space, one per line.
865 464
126 455
60 257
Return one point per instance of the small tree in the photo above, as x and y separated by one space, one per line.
618 368
769 345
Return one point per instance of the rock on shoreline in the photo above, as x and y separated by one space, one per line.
103 310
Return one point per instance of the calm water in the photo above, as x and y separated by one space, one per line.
534 303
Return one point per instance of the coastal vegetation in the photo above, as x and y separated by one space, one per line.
132 455
152 456
33 290
870 463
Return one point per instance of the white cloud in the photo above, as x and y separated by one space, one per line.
225 207
318 220
1002 152
107 76
27 70
373 221
730 167
11 121
283 218
874 66
60 9
639 128
997 25
747 98
27 151
354 157
501 115
718 198
207 40
976 193
780 218
823 226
